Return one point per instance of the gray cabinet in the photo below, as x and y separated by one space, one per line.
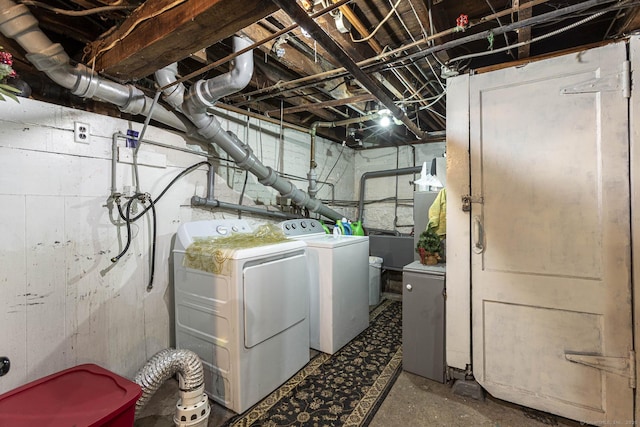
423 293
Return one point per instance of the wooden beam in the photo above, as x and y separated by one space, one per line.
160 32
292 58
524 34
321 105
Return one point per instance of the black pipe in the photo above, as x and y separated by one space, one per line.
301 17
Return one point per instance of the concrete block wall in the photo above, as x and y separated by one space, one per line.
383 214
63 301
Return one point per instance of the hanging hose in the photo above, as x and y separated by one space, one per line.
152 268
126 217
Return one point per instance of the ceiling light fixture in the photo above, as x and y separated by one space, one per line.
385 117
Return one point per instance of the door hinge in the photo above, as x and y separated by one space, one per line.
623 366
620 81
467 200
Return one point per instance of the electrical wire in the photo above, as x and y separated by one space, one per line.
333 167
173 181
506 39
126 217
386 18
533 40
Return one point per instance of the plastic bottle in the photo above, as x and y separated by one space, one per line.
340 227
325 228
356 228
346 227
336 230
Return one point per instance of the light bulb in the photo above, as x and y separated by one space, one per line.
385 121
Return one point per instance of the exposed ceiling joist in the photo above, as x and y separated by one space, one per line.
321 105
161 32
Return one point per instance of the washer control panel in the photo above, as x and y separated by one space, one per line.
301 227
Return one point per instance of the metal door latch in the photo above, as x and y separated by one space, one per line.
467 200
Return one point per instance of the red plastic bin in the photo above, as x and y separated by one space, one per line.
82 396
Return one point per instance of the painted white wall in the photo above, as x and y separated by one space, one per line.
63 301
382 214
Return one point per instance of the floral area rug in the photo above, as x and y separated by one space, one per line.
343 389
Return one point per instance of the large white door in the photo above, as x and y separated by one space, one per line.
551 292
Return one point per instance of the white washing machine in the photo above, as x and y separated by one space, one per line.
250 323
338 283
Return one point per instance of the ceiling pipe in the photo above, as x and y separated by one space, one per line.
305 21
378 174
203 95
17 22
375 46
311 175
400 51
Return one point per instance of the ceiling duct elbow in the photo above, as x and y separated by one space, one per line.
17 23
205 93
166 76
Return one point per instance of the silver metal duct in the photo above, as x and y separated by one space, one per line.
193 406
17 22
203 95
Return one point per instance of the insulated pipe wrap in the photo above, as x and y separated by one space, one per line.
162 366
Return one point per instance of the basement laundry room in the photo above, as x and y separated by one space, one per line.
319 213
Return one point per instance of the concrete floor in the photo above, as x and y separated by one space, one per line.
413 401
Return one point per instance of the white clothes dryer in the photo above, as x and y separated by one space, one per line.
249 324
338 283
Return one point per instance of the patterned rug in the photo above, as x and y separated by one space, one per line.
343 389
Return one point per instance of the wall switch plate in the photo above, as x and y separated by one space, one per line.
81 132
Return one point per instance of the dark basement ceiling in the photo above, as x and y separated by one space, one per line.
401 47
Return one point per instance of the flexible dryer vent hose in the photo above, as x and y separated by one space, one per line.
193 407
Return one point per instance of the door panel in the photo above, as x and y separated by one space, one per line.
551 270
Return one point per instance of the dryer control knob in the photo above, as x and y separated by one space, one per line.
234 229
222 230
303 224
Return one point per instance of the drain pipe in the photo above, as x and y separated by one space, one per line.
211 202
311 175
193 407
203 95
378 174
17 22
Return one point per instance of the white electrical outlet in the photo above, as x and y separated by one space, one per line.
81 132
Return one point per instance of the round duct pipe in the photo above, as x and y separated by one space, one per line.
193 407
